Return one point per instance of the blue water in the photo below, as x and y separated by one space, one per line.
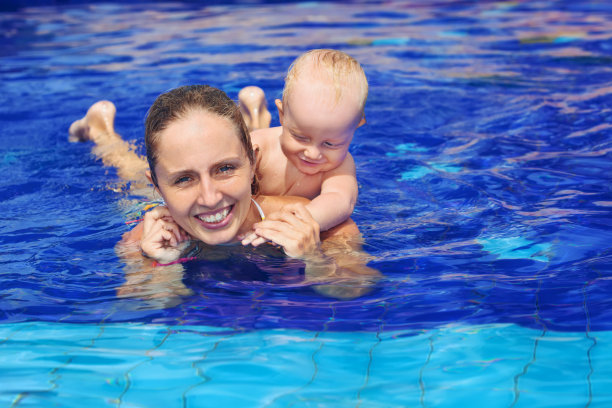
485 201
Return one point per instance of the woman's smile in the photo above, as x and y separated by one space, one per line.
216 219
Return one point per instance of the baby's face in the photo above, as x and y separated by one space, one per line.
316 129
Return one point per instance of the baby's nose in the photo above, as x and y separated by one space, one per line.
312 152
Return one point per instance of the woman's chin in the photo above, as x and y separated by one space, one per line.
220 237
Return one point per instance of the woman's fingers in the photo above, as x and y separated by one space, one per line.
248 238
292 228
298 218
253 239
173 232
162 237
151 217
160 218
258 241
297 215
294 246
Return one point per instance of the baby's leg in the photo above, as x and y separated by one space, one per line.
98 126
254 108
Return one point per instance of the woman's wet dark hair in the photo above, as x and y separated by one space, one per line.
174 104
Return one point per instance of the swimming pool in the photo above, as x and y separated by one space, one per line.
485 200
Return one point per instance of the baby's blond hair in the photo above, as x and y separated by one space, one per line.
343 69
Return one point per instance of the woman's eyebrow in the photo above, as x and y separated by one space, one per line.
232 159
172 174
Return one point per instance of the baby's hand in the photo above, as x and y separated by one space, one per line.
162 238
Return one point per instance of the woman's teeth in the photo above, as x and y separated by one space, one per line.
215 217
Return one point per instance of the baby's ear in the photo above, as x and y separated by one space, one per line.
362 121
279 106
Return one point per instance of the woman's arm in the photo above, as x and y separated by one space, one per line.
146 276
334 258
145 279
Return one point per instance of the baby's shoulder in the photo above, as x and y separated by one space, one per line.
266 143
347 167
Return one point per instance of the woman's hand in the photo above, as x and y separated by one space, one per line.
162 238
294 229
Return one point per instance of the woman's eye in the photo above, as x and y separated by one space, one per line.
182 180
226 168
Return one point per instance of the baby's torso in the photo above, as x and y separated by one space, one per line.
278 177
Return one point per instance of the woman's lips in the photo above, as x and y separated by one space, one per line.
216 219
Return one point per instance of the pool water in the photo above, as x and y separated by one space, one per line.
485 202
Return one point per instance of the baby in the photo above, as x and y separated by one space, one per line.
322 106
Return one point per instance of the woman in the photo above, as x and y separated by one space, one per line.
202 164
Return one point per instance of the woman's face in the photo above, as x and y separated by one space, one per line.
204 176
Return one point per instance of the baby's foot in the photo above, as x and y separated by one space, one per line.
98 122
254 108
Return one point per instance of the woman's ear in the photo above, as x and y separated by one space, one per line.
256 154
150 178
253 173
279 106
256 160
254 164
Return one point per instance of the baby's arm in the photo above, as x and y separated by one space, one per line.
338 196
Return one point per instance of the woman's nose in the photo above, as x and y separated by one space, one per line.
208 194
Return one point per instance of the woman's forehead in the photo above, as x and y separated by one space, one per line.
199 134
201 124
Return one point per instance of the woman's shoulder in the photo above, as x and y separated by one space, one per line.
133 235
346 229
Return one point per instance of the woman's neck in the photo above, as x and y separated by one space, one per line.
253 216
